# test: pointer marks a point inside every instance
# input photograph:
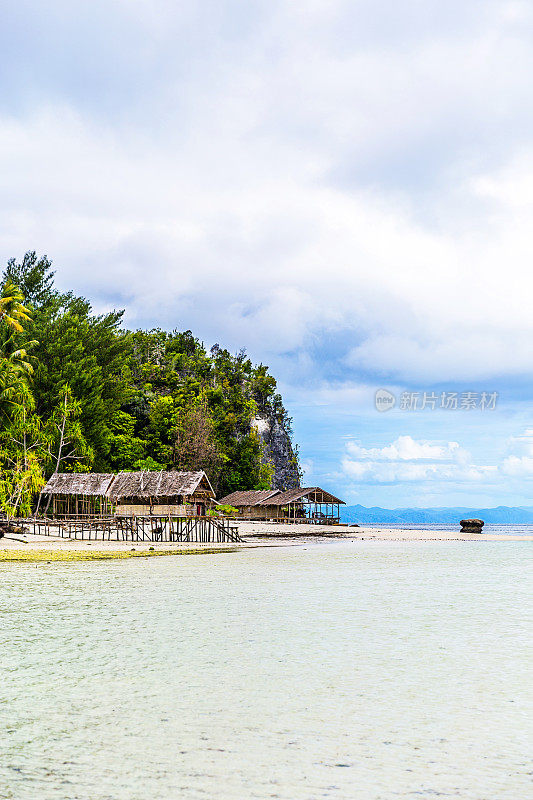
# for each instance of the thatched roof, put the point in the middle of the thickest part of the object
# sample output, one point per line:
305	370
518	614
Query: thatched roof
314	494
273	497
95	484
128	484
252	497
158	484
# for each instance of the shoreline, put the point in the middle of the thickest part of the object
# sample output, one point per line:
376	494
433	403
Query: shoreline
34	548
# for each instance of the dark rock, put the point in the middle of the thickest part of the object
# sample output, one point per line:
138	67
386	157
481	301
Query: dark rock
9	527
471	525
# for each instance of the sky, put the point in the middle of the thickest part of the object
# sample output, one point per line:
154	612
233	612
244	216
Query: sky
342	187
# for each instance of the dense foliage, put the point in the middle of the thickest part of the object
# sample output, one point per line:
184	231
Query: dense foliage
78	392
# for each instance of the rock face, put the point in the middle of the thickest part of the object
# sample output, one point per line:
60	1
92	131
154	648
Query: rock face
471	525
279	450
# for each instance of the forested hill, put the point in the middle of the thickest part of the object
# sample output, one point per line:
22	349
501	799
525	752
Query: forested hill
79	392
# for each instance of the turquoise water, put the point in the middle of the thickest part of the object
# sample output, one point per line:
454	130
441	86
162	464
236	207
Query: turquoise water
509	531
353	670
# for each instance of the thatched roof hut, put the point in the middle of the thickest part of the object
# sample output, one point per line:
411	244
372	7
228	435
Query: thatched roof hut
311	494
309	504
249	498
180	493
78	494
90	484
84	494
146	485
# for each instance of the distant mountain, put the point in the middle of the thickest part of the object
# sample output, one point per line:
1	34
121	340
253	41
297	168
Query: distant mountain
502	515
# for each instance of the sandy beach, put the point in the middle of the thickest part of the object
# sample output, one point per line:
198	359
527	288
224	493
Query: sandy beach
257	531
30	547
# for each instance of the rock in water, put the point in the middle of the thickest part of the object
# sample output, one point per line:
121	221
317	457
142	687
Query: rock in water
472	525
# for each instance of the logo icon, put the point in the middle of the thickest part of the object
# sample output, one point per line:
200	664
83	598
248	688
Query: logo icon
384	400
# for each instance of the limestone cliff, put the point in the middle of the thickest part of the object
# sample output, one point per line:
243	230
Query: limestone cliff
278	450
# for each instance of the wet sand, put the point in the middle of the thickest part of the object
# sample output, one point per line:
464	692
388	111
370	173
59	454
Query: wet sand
268	530
255	534
257	531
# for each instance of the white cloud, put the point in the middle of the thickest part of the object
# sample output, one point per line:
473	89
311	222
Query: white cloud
405	448
298	182
522	444
407	460
274	262
518	467
307	467
520	461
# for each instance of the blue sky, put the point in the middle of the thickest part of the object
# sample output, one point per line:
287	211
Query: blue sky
345	188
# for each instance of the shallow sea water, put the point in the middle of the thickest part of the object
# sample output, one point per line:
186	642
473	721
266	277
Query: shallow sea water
349	670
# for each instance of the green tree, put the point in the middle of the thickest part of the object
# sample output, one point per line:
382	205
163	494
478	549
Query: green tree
195	444
87	352
20	468
13	314
66	446
21	474
109	399
125	449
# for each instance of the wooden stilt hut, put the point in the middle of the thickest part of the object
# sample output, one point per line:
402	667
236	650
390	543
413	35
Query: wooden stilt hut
75	494
311	505
251	504
161	493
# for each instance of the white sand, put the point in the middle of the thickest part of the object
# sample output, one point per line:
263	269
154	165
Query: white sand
255	534
254	531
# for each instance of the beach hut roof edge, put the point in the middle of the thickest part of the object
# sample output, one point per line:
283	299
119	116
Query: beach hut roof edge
128	484
291	495
250	497
158	484
275	497
95	484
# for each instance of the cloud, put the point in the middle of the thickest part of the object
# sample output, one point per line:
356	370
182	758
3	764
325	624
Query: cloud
522	444
342	186
519	463
276	263
405	448
407	460
307	468
284	176
518	467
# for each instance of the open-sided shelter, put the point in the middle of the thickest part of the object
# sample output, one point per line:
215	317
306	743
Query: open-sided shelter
310	504
77	494
127	493
251	503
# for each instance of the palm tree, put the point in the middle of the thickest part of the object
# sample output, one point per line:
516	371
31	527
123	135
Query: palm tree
20	472
15	367
15	372
12	311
